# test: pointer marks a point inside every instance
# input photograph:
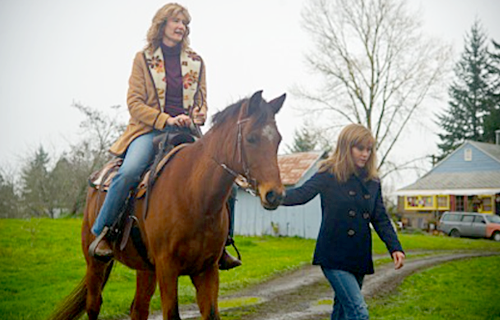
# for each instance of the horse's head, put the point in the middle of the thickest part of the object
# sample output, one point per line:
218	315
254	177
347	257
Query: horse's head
250	147
257	147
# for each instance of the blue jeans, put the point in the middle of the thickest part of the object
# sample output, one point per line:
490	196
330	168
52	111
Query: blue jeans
349	302
138	156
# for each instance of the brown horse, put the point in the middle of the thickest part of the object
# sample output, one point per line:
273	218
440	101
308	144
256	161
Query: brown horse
186	225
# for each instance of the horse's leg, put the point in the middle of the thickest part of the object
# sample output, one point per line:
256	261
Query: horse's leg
145	288
168	281
96	277
207	290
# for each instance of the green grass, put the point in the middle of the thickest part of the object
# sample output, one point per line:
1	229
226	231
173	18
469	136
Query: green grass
429	242
41	262
466	289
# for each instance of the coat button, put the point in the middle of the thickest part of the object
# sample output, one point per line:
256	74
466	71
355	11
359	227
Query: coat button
352	213
351	232
367	196
366	215
352	193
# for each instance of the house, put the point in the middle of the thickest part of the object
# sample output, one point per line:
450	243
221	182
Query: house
466	180
252	219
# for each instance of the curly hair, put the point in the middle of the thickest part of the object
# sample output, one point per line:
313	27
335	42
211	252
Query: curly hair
341	162
157	29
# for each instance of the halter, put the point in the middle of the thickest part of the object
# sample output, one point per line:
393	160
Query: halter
251	183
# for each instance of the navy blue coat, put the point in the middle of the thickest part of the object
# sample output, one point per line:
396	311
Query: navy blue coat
344	240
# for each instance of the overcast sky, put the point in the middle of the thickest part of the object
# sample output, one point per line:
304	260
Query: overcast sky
56	52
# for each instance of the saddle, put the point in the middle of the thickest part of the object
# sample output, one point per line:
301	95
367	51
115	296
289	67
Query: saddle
166	146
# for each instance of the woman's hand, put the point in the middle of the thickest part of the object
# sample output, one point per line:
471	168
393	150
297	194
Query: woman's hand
181	120
399	259
199	117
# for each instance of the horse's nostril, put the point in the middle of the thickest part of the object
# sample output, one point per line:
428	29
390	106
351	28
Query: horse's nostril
270	196
273	197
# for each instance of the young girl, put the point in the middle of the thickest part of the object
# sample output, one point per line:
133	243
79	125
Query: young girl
351	199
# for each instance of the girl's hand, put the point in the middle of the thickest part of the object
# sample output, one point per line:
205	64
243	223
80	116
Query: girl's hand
399	259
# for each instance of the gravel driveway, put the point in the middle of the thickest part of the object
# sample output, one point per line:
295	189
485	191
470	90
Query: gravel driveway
305	294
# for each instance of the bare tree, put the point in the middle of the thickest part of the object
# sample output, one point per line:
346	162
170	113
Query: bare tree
376	67
99	131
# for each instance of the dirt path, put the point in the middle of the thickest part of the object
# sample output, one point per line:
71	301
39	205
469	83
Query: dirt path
305	294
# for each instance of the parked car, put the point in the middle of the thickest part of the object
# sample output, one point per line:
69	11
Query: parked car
470	224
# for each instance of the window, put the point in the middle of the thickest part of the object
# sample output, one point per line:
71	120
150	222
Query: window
459	203
443	202
494	219
468	218
427	201
487	204
411	202
468	154
479	219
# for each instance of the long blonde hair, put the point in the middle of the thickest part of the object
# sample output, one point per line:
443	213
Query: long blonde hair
341	162
157	29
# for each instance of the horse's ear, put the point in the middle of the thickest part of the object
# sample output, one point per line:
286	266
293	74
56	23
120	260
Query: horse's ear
253	103
256	99
277	103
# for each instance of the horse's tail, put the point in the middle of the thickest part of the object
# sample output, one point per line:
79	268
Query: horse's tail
73	306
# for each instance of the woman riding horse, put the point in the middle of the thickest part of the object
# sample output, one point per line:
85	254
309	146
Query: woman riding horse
166	88
187	221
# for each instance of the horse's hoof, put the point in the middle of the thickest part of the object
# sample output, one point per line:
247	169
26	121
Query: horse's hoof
227	261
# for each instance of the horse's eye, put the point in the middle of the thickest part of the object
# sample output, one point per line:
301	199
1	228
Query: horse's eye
252	138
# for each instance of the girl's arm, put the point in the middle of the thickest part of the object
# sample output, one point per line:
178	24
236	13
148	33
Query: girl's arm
306	192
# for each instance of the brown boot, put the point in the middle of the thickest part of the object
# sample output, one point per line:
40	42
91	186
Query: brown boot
100	246
227	261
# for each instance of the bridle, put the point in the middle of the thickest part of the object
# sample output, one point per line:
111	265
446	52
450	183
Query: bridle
248	181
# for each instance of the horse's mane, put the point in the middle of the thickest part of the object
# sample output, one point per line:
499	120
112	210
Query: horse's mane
227	113
233	111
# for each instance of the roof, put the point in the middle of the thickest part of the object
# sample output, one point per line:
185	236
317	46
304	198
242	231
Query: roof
294	166
460	182
493	150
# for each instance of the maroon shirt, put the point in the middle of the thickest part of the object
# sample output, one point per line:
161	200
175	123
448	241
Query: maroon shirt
172	58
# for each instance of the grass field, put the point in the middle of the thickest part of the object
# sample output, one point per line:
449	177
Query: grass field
467	289
41	262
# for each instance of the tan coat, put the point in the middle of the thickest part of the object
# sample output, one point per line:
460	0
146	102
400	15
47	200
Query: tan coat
147	89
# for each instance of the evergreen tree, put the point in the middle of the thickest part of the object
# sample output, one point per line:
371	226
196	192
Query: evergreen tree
470	94
303	141
492	120
37	185
307	139
9	201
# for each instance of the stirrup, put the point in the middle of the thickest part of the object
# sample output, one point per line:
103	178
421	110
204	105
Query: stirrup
227	261
107	253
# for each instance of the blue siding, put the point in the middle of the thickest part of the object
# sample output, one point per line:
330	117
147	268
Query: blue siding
456	163
253	220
